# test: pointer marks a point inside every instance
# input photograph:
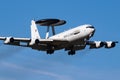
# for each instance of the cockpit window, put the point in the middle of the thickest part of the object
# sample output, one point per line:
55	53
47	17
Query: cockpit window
90	27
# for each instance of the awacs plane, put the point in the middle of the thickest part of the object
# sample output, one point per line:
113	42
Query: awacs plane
71	40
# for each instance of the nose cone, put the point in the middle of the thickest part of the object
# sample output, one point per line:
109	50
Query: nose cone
92	31
92	28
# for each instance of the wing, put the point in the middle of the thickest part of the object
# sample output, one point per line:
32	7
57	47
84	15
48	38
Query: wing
53	42
15	41
29	42
10	39
92	44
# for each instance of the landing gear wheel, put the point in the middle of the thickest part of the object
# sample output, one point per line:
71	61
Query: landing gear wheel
50	51
71	52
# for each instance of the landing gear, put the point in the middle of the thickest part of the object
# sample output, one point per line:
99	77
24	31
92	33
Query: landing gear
71	52
50	51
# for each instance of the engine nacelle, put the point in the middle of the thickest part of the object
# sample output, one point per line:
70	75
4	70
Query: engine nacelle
9	40
110	44
96	44
37	41
33	42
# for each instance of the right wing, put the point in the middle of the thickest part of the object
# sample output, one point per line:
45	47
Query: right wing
14	41
93	45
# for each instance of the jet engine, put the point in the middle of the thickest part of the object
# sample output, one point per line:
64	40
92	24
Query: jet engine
9	40
37	41
33	42
110	44
95	44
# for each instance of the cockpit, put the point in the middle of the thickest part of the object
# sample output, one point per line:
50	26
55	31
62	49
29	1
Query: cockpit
92	27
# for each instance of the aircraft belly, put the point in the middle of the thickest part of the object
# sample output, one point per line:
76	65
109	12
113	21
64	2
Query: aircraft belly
45	47
39	47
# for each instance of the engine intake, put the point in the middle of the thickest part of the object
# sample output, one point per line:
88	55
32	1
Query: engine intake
95	44
9	40
110	44
37	41
34	42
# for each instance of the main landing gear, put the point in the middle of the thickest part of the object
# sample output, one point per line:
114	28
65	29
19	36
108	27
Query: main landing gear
71	52
50	51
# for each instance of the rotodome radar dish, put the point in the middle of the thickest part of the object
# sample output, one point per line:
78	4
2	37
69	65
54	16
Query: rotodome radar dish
50	22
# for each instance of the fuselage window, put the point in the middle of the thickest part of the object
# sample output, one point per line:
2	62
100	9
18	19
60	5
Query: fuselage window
77	32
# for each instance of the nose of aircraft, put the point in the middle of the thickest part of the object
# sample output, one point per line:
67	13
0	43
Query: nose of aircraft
92	30
92	27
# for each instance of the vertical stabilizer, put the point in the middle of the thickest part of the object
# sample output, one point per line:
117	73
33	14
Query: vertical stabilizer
34	31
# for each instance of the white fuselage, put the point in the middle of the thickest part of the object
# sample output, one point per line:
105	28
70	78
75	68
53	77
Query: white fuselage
72	35
75	36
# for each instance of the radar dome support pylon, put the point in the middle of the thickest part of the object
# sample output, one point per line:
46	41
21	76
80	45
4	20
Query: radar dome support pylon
47	33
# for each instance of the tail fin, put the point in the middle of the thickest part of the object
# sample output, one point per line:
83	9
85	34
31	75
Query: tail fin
34	31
